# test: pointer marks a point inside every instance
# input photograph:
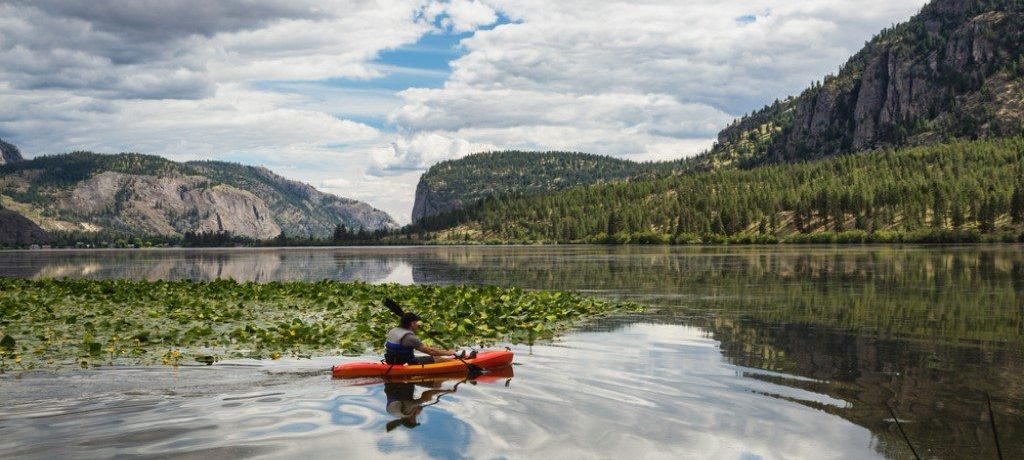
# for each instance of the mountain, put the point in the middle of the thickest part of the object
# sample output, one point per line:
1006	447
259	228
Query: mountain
962	186
9	153
147	195
16	230
933	106
953	71
452	184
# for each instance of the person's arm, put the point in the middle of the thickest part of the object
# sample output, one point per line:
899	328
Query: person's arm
429	395
434	351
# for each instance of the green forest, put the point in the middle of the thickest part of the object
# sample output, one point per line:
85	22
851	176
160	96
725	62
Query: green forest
948	192
481	175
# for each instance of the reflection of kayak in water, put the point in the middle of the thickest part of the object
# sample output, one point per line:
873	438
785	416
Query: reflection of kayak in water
403	403
484	360
489	376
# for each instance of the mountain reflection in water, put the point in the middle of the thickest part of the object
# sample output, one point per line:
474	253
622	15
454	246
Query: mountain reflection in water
748	350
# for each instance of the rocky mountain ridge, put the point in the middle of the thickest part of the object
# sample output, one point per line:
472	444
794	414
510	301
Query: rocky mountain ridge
147	195
955	70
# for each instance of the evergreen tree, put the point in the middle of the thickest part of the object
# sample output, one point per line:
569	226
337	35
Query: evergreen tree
340	233
1017	205
614	223
956	214
987	216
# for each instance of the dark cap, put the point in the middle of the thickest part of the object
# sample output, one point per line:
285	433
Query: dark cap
408	317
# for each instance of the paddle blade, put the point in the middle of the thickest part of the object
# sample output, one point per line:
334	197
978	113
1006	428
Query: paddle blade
393	306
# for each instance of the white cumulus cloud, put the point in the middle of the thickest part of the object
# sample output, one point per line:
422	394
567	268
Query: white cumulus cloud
254	80
654	79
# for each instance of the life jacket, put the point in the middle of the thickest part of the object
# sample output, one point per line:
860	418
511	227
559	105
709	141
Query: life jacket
394	351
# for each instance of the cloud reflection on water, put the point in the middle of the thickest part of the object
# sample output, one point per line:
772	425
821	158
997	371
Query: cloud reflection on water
650	391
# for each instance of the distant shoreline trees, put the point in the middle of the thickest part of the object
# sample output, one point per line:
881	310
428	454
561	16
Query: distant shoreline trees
973	186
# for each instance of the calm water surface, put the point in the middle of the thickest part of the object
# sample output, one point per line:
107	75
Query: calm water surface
778	352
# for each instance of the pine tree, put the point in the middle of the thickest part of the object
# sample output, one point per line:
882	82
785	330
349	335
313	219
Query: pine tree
1017	205
956	214
340	233
987	216
614	223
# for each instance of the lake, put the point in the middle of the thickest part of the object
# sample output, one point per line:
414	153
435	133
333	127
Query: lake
746	352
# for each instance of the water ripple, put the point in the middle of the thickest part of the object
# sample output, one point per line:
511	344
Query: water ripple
665	390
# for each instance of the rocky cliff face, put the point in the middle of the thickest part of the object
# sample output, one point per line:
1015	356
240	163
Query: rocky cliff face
956	70
147	195
9	153
299	209
167	205
430	203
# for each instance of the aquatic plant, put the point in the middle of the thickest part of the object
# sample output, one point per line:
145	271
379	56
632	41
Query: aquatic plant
53	323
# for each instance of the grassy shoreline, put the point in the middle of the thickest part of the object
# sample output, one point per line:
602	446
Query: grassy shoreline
63	323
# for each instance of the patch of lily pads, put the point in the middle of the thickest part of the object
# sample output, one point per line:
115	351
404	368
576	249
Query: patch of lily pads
57	323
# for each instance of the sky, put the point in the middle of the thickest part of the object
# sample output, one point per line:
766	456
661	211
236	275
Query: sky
360	97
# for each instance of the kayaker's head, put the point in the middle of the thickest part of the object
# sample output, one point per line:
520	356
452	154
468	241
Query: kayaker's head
410	321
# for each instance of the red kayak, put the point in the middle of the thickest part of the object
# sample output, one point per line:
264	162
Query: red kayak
492	359
490	376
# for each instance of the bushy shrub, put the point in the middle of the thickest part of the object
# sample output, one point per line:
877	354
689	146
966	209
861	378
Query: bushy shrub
649	238
687	238
852	237
753	238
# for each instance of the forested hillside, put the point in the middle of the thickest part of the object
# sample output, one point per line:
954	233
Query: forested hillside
977	186
455	183
950	81
954	71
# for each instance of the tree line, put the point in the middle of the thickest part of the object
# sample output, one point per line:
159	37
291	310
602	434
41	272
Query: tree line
973	186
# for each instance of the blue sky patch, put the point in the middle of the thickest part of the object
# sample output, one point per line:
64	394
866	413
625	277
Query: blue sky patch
424	64
746	19
432	52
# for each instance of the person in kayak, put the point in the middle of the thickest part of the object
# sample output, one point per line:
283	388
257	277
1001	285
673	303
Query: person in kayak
402	342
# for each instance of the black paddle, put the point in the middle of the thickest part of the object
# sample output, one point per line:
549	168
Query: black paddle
474	370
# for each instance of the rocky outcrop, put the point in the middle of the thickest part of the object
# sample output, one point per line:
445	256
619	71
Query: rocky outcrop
300	209
9	153
429	202
168	205
953	71
17	230
146	195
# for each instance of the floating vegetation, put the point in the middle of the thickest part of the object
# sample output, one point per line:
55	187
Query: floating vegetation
56	323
